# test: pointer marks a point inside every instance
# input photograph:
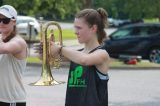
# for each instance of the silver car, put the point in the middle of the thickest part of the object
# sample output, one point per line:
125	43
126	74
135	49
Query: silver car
27	25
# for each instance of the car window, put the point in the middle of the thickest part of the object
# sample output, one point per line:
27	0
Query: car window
149	30
153	30
135	31
144	31
24	21
122	33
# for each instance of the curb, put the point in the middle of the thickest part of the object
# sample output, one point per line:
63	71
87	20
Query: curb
67	65
135	68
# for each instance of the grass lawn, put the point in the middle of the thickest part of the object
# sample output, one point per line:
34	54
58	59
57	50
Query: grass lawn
114	63
67	34
152	20
33	60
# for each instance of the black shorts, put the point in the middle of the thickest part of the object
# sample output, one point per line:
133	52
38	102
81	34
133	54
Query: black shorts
13	104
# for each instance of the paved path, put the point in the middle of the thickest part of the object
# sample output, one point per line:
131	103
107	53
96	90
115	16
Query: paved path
45	95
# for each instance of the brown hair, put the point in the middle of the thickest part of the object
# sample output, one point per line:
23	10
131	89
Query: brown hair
95	17
12	34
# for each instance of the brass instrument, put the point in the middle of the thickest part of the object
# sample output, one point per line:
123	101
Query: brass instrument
46	74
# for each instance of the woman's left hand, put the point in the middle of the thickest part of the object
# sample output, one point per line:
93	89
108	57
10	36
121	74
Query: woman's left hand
54	48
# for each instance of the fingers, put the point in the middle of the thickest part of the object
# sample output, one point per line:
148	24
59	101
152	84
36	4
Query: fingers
54	48
38	47
52	39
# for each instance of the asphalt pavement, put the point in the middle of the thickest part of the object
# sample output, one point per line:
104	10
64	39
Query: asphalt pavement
126	88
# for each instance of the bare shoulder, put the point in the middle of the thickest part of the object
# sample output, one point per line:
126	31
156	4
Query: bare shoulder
20	47
19	40
102	53
104	59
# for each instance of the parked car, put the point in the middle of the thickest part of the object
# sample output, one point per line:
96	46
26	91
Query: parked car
23	23
114	22
141	39
121	22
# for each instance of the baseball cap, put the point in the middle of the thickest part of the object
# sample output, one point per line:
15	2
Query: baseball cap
8	11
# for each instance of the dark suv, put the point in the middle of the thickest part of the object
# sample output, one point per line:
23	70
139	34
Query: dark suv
141	39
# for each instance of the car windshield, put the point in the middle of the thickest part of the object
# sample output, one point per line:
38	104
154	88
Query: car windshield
24	21
121	33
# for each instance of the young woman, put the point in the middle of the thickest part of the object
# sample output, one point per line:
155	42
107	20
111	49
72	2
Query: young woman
88	78
88	73
13	53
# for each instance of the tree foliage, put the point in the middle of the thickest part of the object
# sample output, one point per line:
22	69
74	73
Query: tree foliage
65	9
133	9
49	9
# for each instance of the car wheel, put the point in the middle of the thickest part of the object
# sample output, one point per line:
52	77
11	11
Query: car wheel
154	55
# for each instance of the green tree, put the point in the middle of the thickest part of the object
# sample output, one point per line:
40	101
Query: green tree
133	9
22	6
49	9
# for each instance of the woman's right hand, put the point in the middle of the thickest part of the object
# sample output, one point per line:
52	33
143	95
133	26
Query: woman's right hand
38	47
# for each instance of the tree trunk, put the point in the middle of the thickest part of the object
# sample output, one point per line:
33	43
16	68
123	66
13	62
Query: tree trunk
88	3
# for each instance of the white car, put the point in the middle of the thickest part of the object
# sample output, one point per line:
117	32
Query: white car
24	23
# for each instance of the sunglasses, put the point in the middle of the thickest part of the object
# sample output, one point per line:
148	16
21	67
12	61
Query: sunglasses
5	20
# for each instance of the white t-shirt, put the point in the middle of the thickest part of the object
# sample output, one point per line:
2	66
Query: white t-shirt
11	83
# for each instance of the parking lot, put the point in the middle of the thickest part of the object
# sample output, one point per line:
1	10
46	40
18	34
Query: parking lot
126	87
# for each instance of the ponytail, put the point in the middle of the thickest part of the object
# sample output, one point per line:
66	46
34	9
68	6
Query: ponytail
102	24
